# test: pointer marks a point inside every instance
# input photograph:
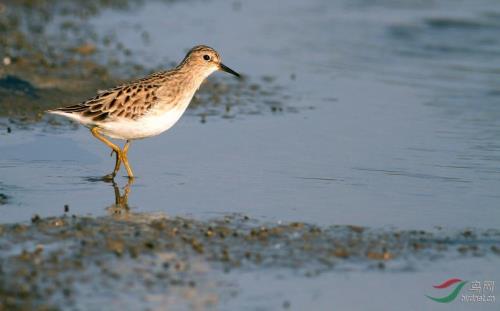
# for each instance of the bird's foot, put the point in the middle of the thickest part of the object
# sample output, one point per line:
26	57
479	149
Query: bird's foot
109	177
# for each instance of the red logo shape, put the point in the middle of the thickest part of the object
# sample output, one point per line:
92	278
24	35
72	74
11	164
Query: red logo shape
447	283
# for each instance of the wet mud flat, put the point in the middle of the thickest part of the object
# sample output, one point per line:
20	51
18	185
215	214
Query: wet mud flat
148	260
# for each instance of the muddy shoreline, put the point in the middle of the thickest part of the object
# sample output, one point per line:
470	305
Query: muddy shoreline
54	262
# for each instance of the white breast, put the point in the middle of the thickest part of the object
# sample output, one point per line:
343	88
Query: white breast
151	124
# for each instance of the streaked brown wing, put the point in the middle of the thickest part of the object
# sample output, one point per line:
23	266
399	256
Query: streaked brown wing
129	101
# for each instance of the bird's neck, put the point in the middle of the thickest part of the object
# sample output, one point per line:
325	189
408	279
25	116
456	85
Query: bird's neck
194	75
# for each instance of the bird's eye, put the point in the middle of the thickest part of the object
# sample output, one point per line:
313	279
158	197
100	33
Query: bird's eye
206	57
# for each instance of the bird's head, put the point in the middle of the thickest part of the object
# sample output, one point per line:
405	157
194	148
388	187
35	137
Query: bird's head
207	60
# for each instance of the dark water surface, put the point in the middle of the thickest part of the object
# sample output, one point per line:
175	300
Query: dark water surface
397	105
403	129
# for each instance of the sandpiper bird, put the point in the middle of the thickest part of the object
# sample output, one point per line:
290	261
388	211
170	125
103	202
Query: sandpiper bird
145	107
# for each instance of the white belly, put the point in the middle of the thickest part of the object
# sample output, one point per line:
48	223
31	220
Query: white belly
149	125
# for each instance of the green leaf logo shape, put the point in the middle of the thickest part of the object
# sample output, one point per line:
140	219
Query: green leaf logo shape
451	296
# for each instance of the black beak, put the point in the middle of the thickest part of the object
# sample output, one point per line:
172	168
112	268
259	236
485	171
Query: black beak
228	70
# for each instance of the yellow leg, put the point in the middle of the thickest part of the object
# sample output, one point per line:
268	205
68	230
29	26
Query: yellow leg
117	163
125	160
116	149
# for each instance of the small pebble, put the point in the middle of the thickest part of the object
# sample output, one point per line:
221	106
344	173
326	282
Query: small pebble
7	61
3	198
35	218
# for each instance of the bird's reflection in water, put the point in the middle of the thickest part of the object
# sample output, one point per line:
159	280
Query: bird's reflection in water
120	209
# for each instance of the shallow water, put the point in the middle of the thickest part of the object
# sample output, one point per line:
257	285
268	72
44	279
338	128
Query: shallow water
351	290
410	136
397	124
